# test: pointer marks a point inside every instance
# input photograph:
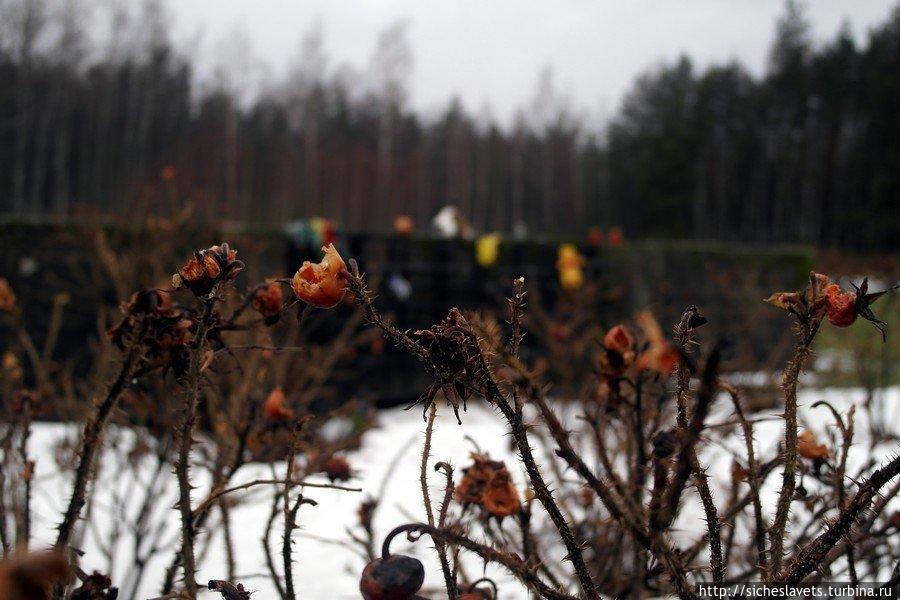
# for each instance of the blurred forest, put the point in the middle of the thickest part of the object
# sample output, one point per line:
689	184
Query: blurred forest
808	153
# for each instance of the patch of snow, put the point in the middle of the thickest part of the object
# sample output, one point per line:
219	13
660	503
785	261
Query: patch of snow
325	569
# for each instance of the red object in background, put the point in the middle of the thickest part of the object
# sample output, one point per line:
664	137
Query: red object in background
618	339
337	468
274	408
616	237
403	225
267	300
329	235
168	173
595	236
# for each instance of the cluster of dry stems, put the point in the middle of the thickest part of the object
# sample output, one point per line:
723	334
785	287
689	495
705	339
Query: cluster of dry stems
607	473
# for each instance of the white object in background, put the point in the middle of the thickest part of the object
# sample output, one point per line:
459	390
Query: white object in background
400	287
450	223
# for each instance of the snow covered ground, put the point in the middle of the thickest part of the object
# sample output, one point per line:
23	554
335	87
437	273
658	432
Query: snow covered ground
325	569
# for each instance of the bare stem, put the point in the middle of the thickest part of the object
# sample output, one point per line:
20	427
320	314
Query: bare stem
90	442
24	536
788	478
290	516
185	435
683	379
439	545
759	532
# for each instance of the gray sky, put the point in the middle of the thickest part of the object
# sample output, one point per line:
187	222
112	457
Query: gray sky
490	52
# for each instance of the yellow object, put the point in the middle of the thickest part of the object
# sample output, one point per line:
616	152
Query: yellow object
487	250
569	263
568	257
571	279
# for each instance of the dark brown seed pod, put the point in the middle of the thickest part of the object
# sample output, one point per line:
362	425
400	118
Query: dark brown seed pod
396	577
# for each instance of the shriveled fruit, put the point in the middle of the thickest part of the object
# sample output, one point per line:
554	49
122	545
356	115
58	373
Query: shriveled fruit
321	284
397	577
841	306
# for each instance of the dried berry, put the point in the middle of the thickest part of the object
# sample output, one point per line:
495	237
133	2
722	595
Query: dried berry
274	408
337	468
396	577
321	284
168	173
840	306
843	307
12	369
267	300
365	512
403	225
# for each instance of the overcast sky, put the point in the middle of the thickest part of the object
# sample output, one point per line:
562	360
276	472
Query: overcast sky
490	52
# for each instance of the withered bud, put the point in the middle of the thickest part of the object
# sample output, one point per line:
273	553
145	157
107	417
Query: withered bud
487	483
207	268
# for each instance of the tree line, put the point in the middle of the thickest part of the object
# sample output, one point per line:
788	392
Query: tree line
808	152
